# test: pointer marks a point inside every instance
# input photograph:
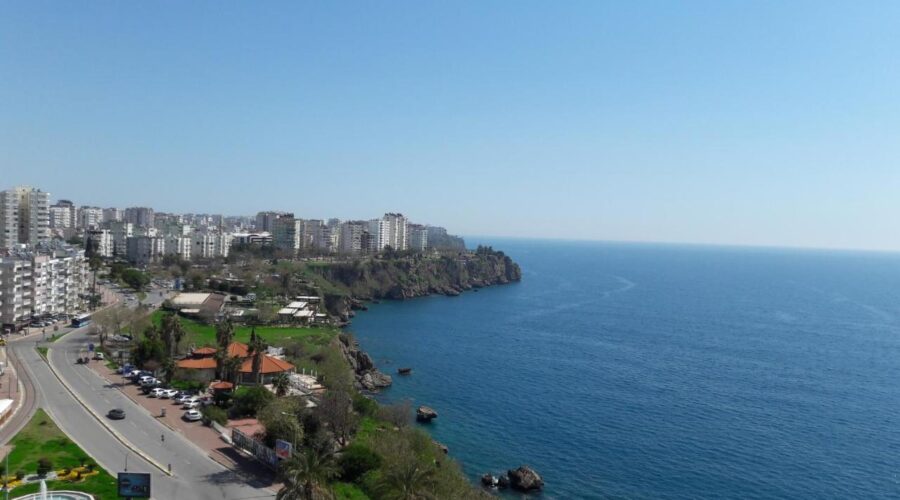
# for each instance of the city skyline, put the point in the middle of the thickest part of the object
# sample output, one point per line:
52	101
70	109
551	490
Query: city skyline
716	123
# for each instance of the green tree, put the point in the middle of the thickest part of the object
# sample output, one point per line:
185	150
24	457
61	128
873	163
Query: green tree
172	332
281	383
281	419
306	474
224	335
407	480
248	401
257	351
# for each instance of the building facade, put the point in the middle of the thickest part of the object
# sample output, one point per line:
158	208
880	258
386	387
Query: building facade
139	216
90	217
63	215
24	217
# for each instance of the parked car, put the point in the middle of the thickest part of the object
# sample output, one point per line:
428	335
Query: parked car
98	356
156	392
191	404
150	382
193	415
169	393
183	398
116	414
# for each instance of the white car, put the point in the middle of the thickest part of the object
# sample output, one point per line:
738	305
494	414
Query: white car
191	404
193	415
156	393
149	382
168	393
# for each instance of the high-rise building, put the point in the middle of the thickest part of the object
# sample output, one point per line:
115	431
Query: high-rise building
418	237
351	240
90	217
142	250
388	231
286	232
48	279
63	215
265	221
120	231
139	216
24	217
101	241
113	214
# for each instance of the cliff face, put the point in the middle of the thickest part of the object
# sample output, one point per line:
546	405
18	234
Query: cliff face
416	276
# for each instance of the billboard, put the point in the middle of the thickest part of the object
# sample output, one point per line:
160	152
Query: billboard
134	485
283	449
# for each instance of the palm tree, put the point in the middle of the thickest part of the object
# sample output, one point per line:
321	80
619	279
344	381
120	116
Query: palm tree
231	367
168	370
408	480
306	474
281	383
173	332
256	352
224	334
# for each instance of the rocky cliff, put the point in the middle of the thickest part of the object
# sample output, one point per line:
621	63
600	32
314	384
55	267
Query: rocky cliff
348	284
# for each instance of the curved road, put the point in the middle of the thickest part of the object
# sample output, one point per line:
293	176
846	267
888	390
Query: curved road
195	475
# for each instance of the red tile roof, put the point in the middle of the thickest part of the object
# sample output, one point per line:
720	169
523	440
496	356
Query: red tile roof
221	385
204	351
196	363
269	365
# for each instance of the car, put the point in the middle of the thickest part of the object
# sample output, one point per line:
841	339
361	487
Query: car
140	379
184	397
169	393
99	356
193	415
191	404
116	414
150	382
156	392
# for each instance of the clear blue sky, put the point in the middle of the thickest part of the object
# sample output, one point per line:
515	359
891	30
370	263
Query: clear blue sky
774	123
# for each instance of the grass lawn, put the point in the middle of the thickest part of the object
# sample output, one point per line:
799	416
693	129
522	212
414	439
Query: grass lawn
201	334
42	351
42	438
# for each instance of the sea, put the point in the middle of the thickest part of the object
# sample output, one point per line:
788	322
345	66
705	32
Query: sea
662	371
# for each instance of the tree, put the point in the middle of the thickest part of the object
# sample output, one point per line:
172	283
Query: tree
172	333
407	480
306	474
356	460
281	419
135	279
336	410
281	383
111	321
248	401
231	367
168	370
257	349
224	335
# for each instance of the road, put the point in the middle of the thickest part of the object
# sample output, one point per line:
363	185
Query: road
195	475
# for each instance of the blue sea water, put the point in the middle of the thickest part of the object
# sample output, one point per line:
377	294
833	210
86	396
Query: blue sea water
653	371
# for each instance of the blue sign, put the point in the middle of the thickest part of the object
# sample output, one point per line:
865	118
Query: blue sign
91	347
283	449
134	485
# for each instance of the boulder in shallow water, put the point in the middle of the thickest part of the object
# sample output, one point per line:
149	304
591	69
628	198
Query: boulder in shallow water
488	480
425	414
503	482
525	479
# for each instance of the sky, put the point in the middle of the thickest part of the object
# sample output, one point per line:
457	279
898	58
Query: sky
730	122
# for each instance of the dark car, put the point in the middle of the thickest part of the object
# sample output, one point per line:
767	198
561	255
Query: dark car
116	414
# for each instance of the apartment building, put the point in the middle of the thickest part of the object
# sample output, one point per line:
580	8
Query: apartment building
113	214
101	241
120	231
51	279
352	239
265	221
418	237
90	217
210	244
63	215
286	232
388	231
180	245
139	216
143	250
24	217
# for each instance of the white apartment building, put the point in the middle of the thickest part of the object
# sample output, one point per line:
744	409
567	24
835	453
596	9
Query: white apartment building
120	232
178	245
286	232
24	217
90	217
210	244
388	231
50	280
60	281
63	215
102	241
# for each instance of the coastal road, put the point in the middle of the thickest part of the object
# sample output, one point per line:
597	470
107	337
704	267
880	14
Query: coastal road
195	474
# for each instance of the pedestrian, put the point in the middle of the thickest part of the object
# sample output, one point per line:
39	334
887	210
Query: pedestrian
162	437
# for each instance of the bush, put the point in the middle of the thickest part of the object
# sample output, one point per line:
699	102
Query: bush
366	407
214	414
20	475
44	466
356	460
91	466
247	402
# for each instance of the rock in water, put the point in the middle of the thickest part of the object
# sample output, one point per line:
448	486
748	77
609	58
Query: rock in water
525	479
503	482
487	480
425	414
